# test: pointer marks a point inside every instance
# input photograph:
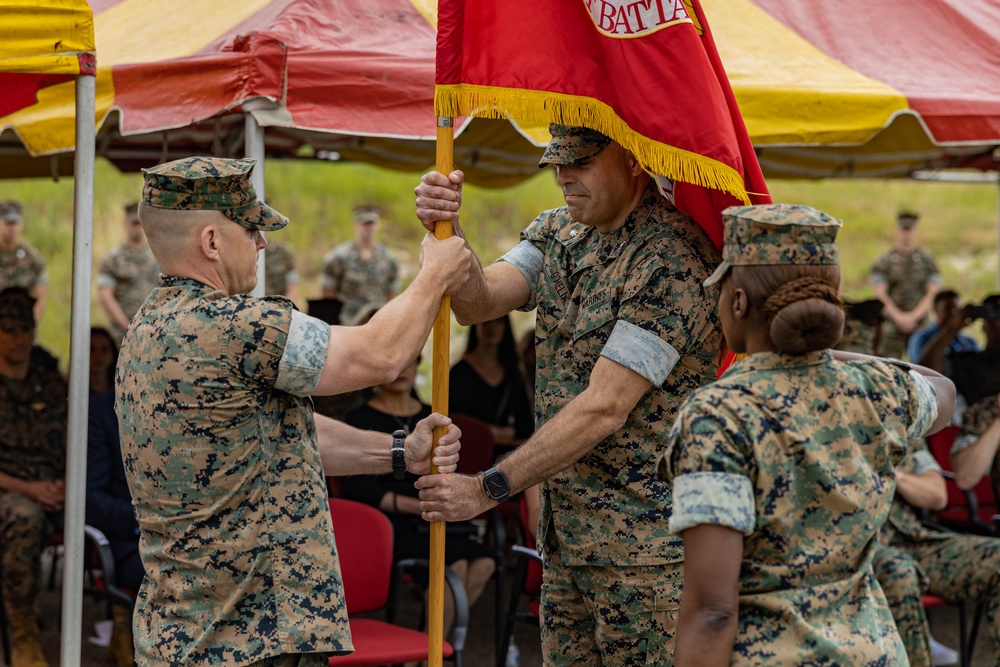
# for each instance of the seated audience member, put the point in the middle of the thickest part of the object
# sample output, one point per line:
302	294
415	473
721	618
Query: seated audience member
976	374
913	559
973	455
487	384
109	503
33	414
395	408
946	308
862	327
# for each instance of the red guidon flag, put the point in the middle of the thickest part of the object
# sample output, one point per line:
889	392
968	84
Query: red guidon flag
644	72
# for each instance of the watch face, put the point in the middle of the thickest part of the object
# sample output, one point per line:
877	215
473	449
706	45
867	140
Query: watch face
496	485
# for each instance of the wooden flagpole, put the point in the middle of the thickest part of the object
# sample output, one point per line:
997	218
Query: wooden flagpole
440	363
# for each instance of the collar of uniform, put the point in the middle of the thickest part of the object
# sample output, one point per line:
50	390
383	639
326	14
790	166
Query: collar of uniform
773	361
609	246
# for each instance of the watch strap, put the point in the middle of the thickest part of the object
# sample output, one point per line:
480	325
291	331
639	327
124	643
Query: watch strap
398	452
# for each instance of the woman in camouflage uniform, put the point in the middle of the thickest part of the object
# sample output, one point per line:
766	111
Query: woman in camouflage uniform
782	470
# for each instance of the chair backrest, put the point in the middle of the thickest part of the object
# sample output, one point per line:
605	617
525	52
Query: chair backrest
364	546
958	510
337	488
477	444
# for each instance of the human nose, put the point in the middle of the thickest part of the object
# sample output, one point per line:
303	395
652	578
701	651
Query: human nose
261	240
564	174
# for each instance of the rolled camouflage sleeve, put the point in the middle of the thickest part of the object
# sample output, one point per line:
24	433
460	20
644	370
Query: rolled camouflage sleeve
528	256
713	498
923	408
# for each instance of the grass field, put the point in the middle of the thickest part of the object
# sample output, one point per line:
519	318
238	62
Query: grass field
959	223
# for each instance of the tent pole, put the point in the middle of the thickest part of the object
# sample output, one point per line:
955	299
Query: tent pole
253	146
440	363
76	441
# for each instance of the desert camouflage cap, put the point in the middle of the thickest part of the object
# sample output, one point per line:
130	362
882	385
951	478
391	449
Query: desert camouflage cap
907	219
771	234
210	184
572	145
16	309
11	210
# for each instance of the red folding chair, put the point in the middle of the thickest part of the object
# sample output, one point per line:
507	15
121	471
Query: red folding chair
966	511
372	583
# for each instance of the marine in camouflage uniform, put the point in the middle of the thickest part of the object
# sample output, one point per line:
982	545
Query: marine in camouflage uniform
357	274
127	274
908	275
21	265
32	450
953	565
220	451
279	270
633	296
797	453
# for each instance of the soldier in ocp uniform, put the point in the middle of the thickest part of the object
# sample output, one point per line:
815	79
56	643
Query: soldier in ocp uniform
127	275
224	458
625	329
360	272
32	467
783	469
917	559
21	265
905	279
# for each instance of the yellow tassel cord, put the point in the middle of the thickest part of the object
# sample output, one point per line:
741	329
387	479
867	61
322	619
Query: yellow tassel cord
543	107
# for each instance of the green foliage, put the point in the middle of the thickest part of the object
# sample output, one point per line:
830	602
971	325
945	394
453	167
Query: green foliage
958	223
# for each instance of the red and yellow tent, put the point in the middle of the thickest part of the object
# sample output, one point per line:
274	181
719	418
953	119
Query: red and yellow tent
852	88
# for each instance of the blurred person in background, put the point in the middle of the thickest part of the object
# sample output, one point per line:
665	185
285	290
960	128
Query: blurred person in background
21	265
126	275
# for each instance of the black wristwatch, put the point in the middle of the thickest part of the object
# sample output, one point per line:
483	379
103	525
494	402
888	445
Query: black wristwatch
496	485
398	454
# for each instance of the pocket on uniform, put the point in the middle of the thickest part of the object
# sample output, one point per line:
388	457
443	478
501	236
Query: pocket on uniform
594	317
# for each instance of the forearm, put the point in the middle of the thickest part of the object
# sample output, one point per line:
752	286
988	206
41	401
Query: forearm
11	483
974	462
881	292
933	353
926	490
40	293
489	293
705	637
924	305
106	297
345	450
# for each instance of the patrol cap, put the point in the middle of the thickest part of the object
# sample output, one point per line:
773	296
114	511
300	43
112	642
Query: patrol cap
771	234
366	215
16	309
132	211
572	145
210	184
907	219
11	211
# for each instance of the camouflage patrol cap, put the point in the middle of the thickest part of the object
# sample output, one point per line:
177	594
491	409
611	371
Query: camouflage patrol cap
210	184
366	214
11	210
907	219
16	309
773	234
572	145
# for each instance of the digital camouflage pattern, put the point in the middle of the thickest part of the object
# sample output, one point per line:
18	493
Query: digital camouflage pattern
279	268
131	274
359	282
608	511
33	413
955	566
907	276
798	454
11	210
220	451
609	508
210	184
775	234
22	266
572	145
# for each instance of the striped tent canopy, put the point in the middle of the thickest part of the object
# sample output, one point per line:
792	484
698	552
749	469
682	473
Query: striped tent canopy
851	88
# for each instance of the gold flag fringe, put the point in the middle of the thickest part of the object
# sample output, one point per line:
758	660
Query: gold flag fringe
545	107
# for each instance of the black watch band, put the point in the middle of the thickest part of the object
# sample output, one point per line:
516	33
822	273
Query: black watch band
398	454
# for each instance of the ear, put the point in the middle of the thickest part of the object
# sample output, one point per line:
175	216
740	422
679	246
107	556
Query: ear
739	304
210	241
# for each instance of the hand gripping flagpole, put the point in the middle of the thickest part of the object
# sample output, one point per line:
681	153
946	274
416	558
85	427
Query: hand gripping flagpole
440	363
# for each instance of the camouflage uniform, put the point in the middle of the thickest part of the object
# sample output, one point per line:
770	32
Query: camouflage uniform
359	282
798	453
131	274
279	268
954	565
22	266
221	455
32	448
907	274
612	571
